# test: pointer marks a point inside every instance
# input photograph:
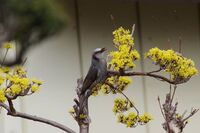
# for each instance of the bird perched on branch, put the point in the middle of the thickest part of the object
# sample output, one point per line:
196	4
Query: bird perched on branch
97	72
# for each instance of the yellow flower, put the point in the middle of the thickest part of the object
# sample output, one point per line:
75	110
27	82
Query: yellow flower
122	36
6	69
119	82
16	89
145	118
37	81
123	59
14	78
19	70
125	56
174	63
34	88
132	119
2	79
24	82
121	118
82	116
71	111
105	89
121	105
8	45
124	80
2	96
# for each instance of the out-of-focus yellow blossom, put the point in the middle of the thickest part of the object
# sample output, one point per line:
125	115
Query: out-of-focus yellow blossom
37	81
2	96
8	45
82	116
145	118
19	70
125	56
71	111
2	79
121	105
174	63
35	88
5	69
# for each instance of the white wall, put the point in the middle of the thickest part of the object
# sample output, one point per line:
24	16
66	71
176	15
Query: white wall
57	62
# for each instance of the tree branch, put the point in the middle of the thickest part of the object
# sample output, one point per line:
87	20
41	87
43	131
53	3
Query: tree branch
150	74
36	118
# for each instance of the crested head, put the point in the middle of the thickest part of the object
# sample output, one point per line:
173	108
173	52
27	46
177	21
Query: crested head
99	52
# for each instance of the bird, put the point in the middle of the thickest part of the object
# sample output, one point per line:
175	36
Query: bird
97	72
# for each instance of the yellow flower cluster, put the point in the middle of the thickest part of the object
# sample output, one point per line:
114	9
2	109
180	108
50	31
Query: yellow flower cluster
121	105
19	84
119	82
125	56
2	96
122	37
95	90
174	63
132	119
145	118
14	82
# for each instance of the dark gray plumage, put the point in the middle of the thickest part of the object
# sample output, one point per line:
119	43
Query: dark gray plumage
97	72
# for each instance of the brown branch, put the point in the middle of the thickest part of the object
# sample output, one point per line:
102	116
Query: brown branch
150	74
36	118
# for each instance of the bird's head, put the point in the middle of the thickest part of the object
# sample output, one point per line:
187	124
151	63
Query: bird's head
98	53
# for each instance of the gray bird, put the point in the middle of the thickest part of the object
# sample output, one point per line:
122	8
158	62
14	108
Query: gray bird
97	72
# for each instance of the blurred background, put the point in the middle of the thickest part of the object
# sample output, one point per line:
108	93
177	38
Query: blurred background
59	51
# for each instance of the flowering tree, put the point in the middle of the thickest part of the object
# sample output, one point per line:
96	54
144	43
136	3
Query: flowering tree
120	67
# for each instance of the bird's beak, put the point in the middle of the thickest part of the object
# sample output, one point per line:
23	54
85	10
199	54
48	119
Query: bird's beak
103	49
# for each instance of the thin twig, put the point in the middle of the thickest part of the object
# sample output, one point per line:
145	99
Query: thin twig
191	114
161	108
132	105
133	30
115	89
4	58
113	21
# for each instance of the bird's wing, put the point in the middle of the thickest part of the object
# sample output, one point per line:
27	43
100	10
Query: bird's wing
90	78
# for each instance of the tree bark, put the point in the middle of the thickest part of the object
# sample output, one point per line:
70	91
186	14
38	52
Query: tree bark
84	123
84	128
